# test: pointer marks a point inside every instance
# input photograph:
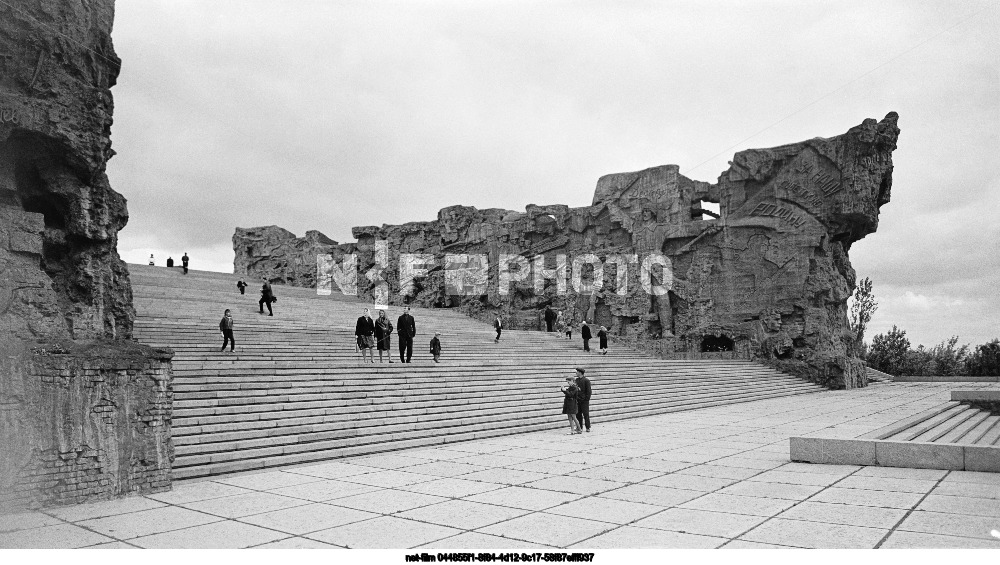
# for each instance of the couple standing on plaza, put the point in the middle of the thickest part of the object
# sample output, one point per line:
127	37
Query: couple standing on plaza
378	334
576	401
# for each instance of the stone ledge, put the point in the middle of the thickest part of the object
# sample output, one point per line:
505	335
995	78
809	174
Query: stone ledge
976	395
881	453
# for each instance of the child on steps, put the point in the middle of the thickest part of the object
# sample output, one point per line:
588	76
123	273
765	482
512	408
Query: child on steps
226	325
436	346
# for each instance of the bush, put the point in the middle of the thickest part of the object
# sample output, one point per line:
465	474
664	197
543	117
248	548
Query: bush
891	353
985	361
888	351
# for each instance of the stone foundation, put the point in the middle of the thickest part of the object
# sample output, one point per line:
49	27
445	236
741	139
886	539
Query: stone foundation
82	422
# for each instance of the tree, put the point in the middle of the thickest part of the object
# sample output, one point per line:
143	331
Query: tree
985	361
947	359
862	309
888	351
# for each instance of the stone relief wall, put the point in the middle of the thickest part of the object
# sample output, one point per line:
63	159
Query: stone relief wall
84	421
769	278
92	421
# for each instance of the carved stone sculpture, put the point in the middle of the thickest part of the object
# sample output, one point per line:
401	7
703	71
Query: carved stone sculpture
768	278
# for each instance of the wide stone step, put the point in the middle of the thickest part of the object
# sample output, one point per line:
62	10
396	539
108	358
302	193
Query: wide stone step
961	435
228	462
419	393
446	384
381	421
355	407
362	400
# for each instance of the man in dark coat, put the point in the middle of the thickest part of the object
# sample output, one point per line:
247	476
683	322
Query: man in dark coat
266	297
583	400
406	329
550	319
170	262
585	333
498	326
184	261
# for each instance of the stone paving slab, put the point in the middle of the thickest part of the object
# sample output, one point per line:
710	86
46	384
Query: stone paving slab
384	532
912	540
714	477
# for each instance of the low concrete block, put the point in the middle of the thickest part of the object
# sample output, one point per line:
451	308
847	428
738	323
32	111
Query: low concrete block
832	451
982	458
919	455
976	395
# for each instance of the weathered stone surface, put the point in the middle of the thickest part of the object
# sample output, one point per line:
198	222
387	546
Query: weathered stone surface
91	420
59	213
83	421
277	253
769	278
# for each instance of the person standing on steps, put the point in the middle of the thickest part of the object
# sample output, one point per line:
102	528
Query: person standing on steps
568	325
170	262
406	328
550	319
184	261
583	399
436	346
602	335
365	332
266	297
585	334
242	286
570	393
383	335
226	325
498	326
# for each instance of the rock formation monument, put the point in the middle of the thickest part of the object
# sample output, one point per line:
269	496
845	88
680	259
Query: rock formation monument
84	412
768	278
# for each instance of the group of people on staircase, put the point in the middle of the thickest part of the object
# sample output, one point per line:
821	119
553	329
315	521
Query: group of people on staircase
170	262
554	320
377	334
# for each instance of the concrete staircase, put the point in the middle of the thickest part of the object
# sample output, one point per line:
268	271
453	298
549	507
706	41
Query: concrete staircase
962	434
295	390
876	376
954	422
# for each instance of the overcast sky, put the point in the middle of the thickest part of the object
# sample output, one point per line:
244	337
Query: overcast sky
327	115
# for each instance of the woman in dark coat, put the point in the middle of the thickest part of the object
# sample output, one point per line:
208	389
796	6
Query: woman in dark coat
365	332
383	335
602	335
570	392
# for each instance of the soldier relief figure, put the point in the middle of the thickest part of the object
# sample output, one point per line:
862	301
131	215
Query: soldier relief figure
649	237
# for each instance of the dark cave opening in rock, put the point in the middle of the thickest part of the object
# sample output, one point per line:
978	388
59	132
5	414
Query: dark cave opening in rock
711	344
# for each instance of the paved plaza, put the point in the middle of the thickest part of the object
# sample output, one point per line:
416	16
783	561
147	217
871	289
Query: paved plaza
709	478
